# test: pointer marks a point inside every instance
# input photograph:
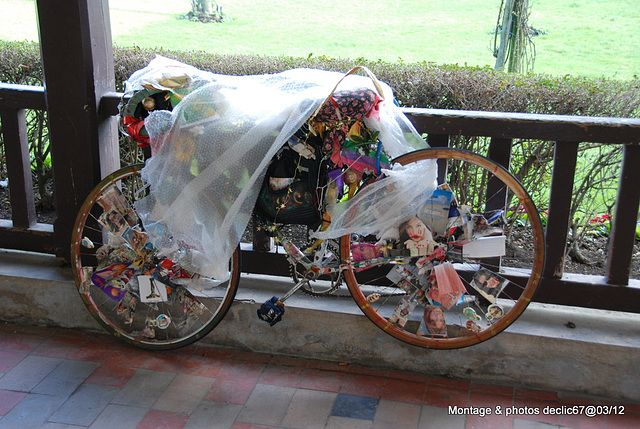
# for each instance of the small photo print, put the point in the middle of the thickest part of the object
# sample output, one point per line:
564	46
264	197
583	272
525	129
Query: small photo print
494	313
151	290
113	200
113	221
433	322
365	251
435	212
416	237
402	313
127	308
489	284
190	304
136	239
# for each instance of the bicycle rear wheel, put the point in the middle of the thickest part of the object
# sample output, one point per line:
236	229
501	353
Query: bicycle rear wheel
467	285
136	294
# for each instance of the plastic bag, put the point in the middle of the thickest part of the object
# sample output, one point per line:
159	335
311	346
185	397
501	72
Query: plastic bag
379	208
212	151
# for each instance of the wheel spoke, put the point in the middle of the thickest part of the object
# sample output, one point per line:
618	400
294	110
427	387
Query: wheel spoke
117	266
450	286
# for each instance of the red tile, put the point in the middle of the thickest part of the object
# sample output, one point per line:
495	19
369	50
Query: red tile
623	421
501	407
328	365
487	399
489	422
449	382
187	350
111	375
106	340
58	347
95	350
408	376
72	334
289	361
252	356
165	361
578	400
43	331
493	388
367	370
20	343
128	355
627	408
8	400
216	352
443	397
203	366
279	375
242	371
537	394
326	381
363	385
572	413
404	391
583	422
230	391
163	420
523	407
10	359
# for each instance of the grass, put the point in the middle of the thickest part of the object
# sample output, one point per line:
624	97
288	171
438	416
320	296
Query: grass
581	37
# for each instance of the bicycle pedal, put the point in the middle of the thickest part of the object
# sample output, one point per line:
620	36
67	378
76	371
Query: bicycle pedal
271	311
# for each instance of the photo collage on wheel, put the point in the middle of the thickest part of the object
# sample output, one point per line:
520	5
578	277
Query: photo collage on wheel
427	249
128	272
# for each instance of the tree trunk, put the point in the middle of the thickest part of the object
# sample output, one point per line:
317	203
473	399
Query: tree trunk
505	31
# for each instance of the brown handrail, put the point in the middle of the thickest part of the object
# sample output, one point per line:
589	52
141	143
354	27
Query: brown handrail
563	131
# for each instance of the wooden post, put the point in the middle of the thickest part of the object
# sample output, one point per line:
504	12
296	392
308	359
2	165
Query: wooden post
625	217
77	57
559	215
500	152
16	148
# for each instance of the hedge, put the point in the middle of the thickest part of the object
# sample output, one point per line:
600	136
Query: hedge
441	86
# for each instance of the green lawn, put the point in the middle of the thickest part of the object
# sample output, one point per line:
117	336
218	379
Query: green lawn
581	37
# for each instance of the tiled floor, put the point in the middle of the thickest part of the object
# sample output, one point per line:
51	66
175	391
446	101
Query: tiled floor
55	378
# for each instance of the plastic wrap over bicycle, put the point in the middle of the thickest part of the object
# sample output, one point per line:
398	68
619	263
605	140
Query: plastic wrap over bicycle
422	238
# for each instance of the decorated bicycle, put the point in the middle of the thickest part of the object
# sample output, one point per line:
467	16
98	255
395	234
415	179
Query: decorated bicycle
420	236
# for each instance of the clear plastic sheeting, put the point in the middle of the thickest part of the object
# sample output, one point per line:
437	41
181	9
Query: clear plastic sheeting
210	154
380	207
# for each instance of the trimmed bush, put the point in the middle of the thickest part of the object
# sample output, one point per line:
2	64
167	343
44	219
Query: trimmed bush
416	84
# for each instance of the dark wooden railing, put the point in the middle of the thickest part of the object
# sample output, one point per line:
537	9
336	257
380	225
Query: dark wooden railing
80	102
615	291
22	232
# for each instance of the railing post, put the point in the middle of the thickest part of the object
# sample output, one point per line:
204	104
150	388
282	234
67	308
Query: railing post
556	231
440	140
500	152
16	148
77	57
624	218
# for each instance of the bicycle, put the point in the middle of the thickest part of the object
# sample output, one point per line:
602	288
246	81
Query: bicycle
439	280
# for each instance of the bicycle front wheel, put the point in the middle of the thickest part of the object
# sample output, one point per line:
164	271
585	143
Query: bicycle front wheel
457	279
142	297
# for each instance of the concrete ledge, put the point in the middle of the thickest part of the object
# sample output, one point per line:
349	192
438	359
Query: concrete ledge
599	353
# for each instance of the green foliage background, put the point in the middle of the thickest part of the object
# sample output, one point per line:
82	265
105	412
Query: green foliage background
588	38
415	84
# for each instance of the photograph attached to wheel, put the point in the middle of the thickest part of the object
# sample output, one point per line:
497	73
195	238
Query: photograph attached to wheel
142	297
462	268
